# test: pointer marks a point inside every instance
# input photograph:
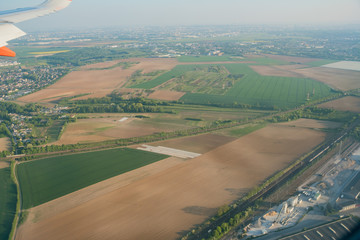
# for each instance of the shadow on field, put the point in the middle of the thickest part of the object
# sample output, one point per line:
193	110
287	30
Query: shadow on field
238	192
199	211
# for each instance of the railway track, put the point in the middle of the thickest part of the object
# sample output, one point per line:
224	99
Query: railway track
275	185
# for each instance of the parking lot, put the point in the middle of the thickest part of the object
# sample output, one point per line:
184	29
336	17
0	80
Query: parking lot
332	231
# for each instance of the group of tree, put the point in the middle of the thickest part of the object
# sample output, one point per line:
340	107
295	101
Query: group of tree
4	131
88	55
9	107
114	103
315	113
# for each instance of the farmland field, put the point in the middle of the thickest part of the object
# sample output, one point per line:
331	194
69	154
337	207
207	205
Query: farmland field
198	144
241	130
5	144
262	60
97	83
7	202
312	124
102	127
237	84
263	90
189	59
54	131
48	179
175	72
163	205
203	79
346	65
336	78
344	104
107	126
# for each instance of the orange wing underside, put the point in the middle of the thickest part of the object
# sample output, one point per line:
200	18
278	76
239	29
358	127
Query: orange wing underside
4	51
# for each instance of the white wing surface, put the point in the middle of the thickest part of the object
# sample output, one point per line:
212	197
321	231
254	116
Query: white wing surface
8	31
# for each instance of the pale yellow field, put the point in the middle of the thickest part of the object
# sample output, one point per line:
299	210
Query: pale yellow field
102	127
5	144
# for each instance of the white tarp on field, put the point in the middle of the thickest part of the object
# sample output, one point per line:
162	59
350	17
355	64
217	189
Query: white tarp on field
169	151
346	65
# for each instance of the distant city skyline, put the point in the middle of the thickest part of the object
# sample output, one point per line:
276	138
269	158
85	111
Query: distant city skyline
111	13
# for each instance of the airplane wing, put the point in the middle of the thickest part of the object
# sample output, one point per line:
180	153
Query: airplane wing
8	31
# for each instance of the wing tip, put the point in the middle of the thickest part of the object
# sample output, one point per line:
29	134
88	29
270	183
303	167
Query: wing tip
6	52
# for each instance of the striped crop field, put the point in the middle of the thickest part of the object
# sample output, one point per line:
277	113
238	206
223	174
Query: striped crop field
255	89
47	179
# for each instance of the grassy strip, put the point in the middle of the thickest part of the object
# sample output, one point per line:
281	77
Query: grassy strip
18	203
175	72
239	132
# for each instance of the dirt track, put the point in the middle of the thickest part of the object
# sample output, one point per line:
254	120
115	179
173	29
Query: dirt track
163	205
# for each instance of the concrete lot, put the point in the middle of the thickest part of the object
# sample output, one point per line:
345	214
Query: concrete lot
334	231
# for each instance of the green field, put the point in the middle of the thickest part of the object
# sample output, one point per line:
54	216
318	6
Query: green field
207	79
255	89
242	131
175	72
320	63
7	202
47	179
238	84
54	131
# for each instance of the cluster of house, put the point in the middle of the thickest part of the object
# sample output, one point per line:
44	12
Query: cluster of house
16	81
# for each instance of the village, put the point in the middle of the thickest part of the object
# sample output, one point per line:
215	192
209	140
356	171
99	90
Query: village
17	81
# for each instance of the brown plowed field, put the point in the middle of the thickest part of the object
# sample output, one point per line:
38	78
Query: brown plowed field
166	95
97	83
197	144
5	144
165	204
336	78
281	70
82	196
311	123
351	104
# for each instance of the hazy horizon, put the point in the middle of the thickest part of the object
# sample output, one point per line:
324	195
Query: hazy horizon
99	14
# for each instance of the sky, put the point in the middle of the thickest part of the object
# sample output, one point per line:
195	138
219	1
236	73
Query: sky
111	13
